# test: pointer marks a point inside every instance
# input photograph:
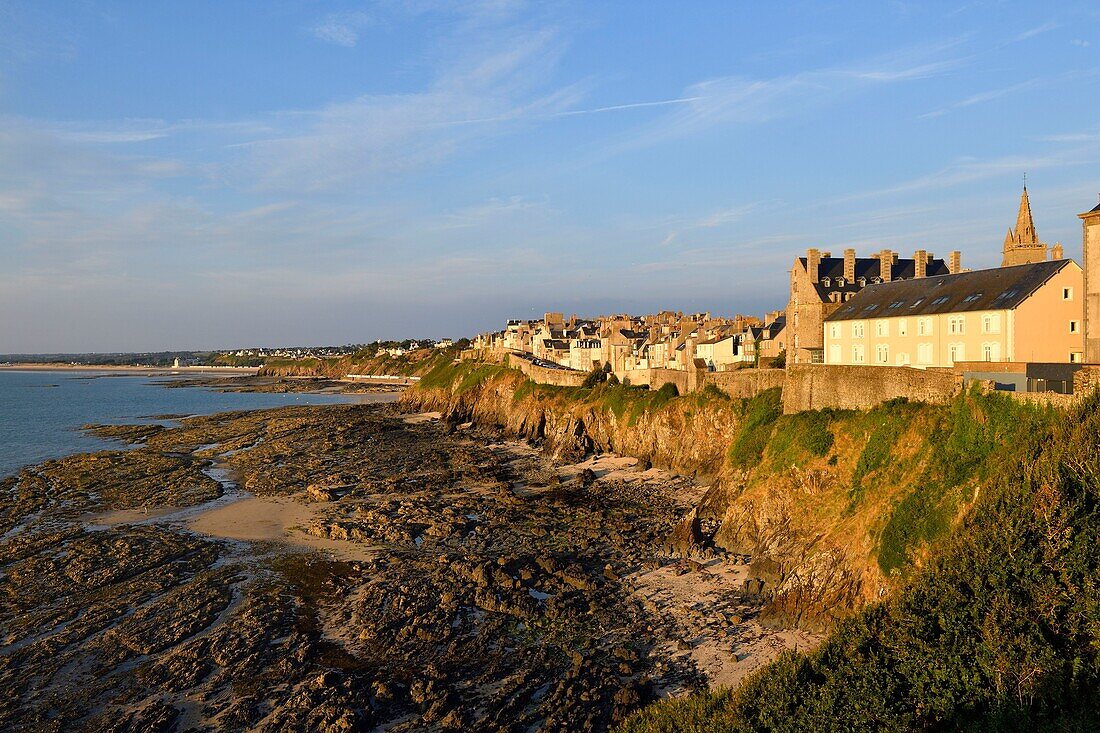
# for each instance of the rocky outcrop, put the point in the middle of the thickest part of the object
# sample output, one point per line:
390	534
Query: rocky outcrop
688	436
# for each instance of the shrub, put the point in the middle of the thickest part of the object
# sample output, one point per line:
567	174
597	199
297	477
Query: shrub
595	377
760	414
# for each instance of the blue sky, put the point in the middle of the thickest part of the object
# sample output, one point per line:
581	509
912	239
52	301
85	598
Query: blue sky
210	174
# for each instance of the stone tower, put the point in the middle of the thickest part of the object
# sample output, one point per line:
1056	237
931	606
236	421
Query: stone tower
1022	246
1091	251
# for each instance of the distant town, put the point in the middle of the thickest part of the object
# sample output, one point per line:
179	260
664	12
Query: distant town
1021	325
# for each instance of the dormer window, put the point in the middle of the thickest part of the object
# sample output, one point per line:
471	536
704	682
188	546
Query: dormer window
825	282
862	282
840	282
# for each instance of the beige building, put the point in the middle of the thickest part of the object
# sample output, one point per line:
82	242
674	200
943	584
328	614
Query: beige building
821	283
1022	313
1090	223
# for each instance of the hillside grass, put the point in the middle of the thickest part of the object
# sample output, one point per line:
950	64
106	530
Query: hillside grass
999	631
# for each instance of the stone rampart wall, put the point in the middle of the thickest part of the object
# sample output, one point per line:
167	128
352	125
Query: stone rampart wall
544	375
745	383
820	386
685	381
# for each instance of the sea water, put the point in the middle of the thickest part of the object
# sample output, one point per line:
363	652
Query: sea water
41	412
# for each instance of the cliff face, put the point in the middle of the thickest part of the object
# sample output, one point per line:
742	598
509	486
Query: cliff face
412	364
833	507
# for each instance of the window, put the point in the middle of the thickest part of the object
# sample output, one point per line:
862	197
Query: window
924	326
972	297
902	359
896	304
862	282
882	354
825	282
940	300
956	352
917	302
1067	293
924	353
871	307
857	330
840	282
991	351
903	327
834	330
882	328
1074	327
834	353
857	354
1075	357
955	324
991	323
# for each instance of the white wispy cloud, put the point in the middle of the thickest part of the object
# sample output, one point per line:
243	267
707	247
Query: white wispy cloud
1036	31
982	97
738	100
342	29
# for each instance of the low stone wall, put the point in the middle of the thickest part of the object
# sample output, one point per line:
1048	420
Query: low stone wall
543	375
685	381
1053	399
745	383
820	386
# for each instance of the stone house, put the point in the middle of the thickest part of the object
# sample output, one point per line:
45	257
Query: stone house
821	283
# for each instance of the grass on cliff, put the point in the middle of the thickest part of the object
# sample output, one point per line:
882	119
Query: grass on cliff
966	443
1000	631
459	377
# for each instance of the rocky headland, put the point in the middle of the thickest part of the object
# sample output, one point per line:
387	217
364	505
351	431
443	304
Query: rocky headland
352	568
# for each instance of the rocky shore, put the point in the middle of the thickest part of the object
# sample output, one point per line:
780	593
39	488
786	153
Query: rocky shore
350	568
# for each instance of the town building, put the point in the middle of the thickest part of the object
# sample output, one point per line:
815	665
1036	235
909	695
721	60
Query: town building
821	283
1090	225
1021	313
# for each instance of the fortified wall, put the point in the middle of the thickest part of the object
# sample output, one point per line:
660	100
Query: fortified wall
820	386
805	386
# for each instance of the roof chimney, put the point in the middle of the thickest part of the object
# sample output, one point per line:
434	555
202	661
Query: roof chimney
885	265
813	260
849	265
826	255
1056	252
920	263
954	262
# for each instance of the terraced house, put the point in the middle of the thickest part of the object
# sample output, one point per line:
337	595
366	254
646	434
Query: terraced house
821	283
1025	313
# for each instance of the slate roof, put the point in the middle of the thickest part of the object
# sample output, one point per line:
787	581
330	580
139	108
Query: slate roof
867	268
1001	288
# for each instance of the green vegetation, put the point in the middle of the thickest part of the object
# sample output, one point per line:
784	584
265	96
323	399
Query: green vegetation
799	436
595	377
461	376
1000	630
887	423
760	414
975	434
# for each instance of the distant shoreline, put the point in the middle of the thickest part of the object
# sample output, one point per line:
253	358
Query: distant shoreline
138	370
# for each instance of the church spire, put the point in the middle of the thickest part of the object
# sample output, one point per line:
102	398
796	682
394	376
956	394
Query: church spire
1025	227
1022	244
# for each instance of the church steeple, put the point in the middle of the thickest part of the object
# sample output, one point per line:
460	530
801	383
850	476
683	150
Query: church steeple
1022	245
1025	227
